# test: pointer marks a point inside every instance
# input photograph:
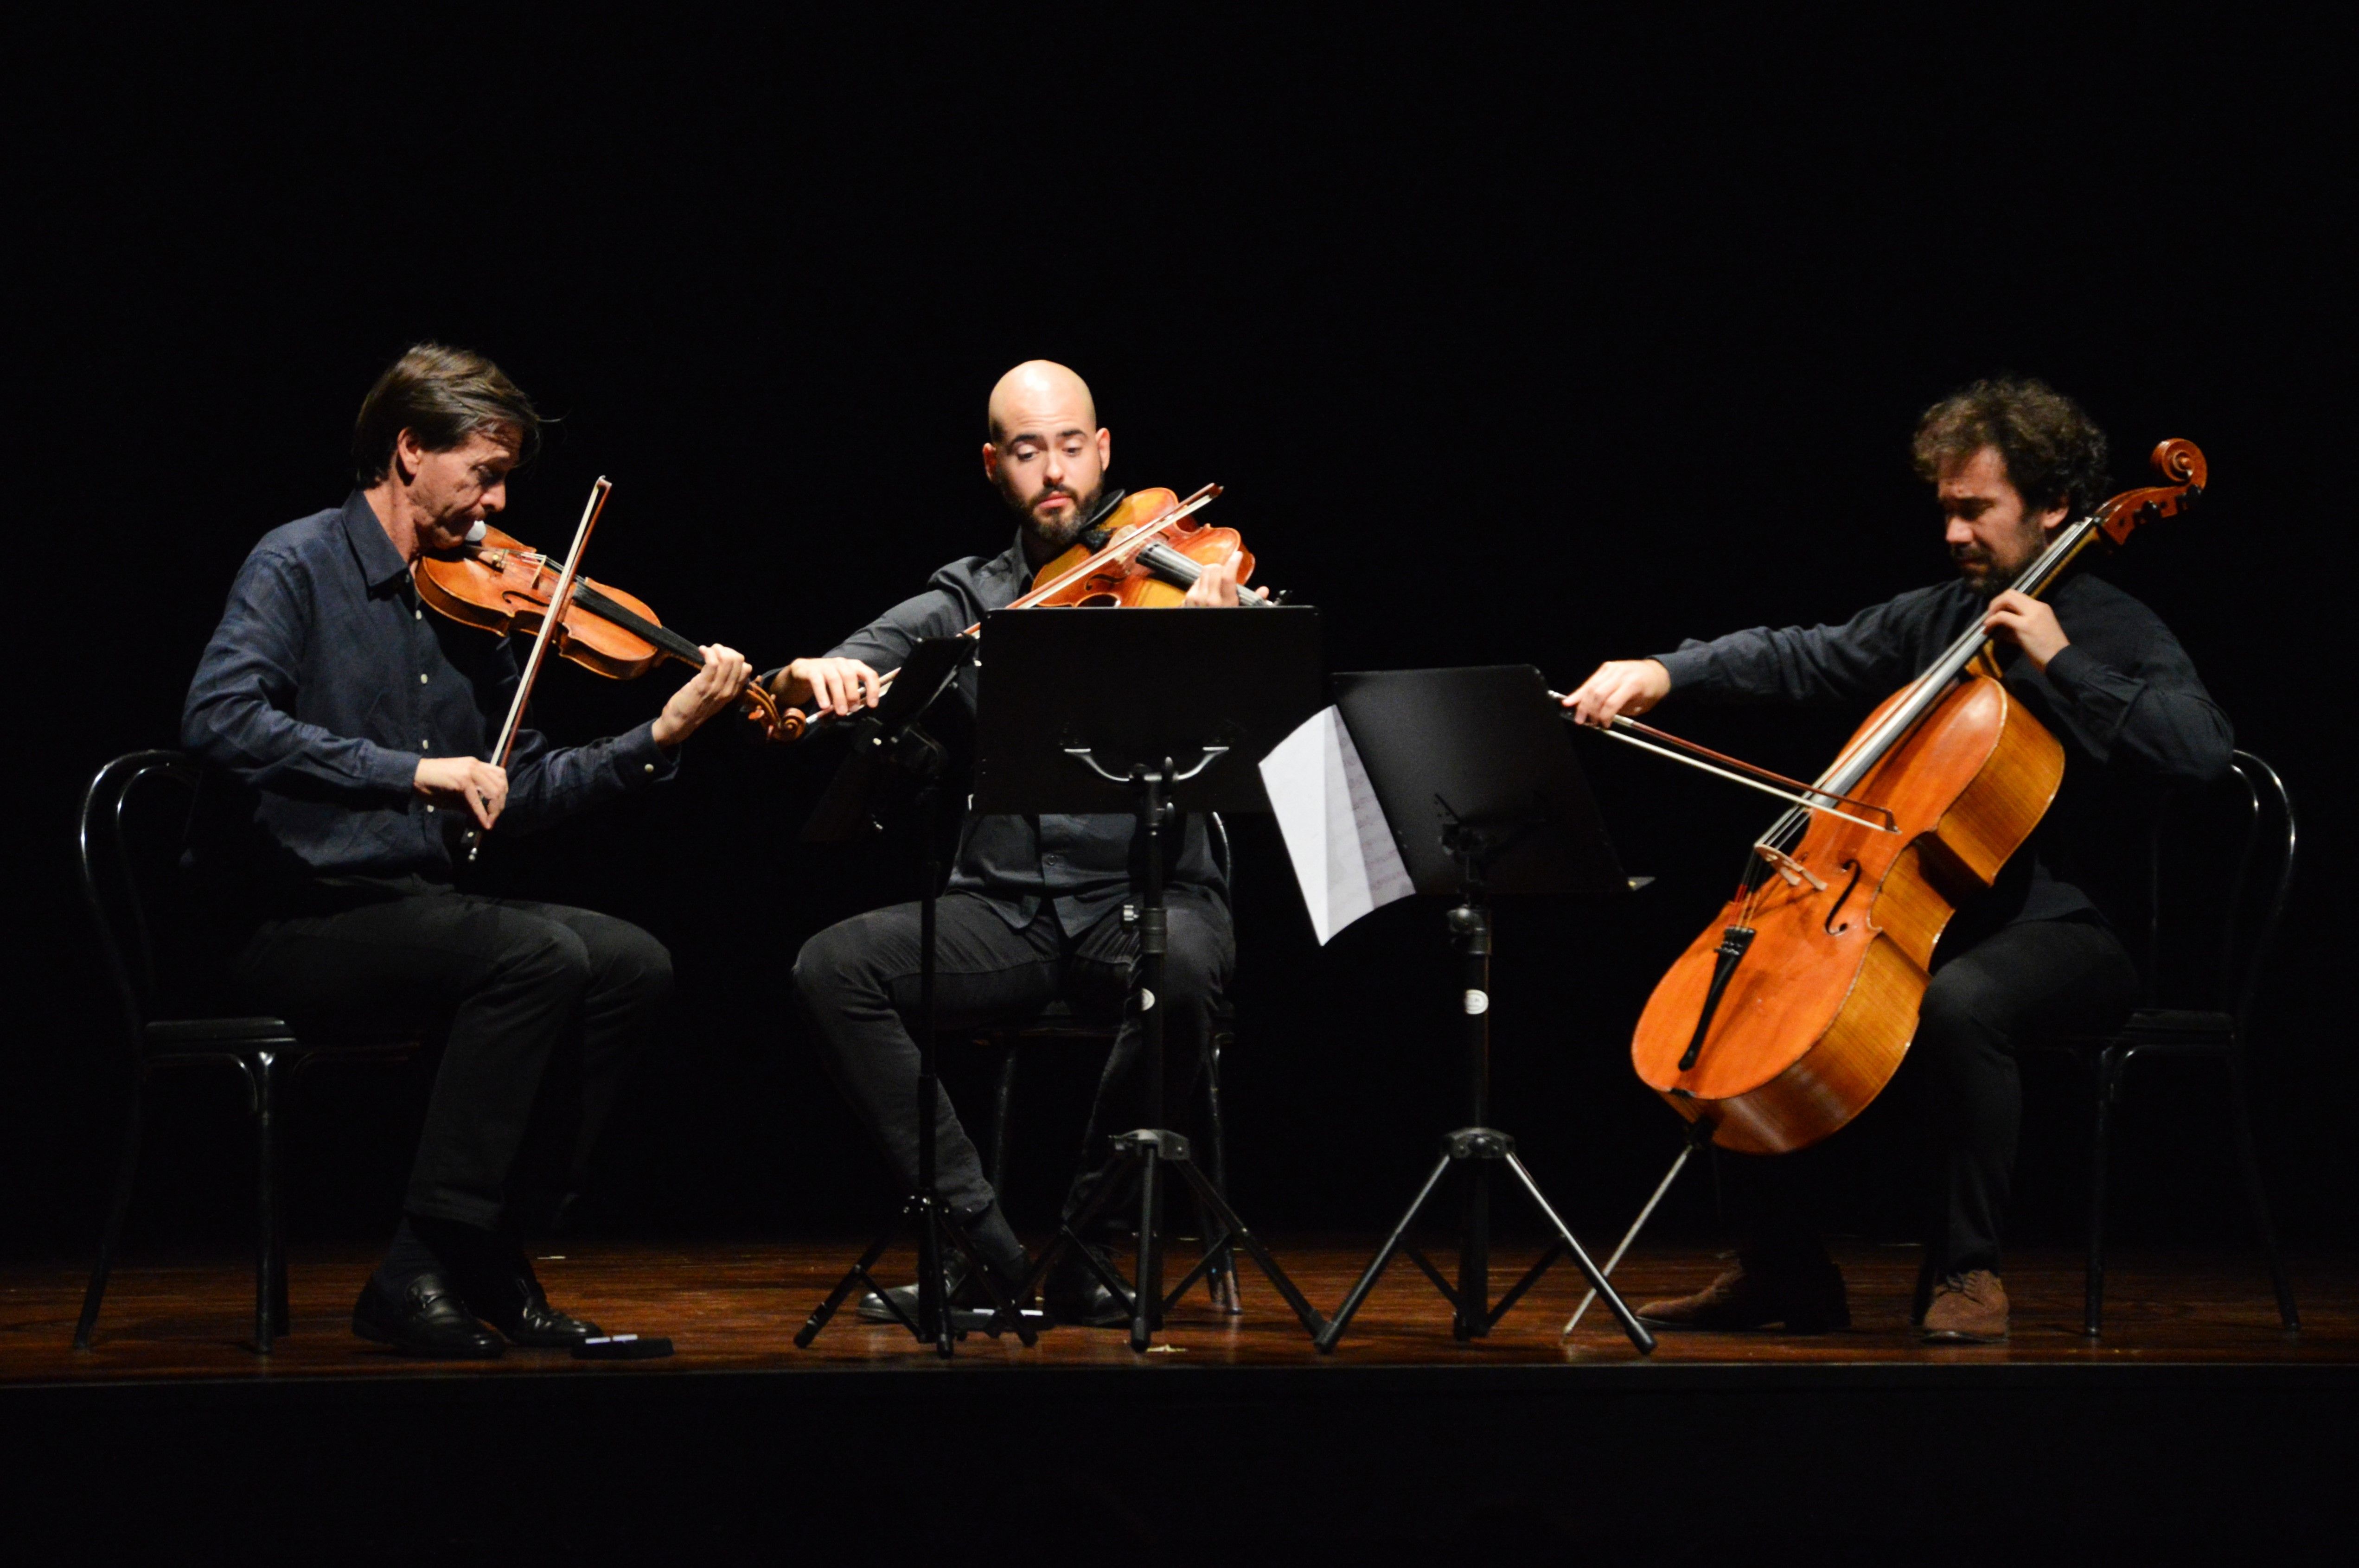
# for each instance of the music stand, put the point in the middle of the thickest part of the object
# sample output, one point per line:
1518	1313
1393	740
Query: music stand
1147	715
884	741
1478	783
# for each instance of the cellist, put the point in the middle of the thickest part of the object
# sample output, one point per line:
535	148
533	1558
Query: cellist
2011	462
1034	908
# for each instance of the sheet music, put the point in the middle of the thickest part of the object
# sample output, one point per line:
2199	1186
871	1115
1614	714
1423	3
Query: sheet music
1342	850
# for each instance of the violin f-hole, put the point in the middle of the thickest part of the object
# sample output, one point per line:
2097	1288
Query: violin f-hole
1842	898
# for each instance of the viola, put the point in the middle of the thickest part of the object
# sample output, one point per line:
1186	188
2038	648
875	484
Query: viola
504	586
1142	550
1790	1013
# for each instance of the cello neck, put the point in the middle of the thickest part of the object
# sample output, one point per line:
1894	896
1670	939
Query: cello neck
2045	571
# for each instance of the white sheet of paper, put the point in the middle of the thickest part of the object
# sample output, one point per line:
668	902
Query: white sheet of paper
1335	833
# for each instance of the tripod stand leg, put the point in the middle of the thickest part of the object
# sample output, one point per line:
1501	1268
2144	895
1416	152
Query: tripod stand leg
1470	1318
1614	1303
1327	1336
854	1277
1630	1235
1218	1206
1146	1298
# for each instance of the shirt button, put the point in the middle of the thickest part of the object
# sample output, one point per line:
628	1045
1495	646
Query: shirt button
418	615
429	810
650	767
421	677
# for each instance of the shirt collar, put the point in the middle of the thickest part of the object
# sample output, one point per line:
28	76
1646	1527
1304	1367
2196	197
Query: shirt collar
1016	561
373	549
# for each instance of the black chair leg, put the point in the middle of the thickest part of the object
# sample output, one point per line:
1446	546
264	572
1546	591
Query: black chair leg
269	1259
2249	1154
112	1236
2110	1063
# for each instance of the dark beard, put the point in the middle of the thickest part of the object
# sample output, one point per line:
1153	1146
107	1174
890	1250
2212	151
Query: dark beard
1056	538
1978	570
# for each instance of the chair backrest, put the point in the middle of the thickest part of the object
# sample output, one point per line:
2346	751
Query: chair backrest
130	829
2220	867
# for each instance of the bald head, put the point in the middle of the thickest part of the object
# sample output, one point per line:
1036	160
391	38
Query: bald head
1034	388
1046	454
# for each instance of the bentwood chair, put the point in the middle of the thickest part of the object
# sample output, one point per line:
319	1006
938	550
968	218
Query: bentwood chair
1058	1024
132	823
2220	865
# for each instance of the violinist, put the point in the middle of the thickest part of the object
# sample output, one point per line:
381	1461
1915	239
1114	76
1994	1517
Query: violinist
1033	908
341	730
2011	462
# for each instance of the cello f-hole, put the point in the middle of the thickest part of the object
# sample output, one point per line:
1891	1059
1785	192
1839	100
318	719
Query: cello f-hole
1842	898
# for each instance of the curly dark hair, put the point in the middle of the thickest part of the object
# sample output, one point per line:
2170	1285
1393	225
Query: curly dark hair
442	396
2054	453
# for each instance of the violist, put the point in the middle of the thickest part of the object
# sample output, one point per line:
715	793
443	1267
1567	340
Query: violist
1034	911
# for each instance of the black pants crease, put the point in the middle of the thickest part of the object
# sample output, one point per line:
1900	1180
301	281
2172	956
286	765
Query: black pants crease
859	980
518	981
1960	1088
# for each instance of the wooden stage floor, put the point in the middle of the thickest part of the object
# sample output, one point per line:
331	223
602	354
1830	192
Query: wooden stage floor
735	1308
2195	1426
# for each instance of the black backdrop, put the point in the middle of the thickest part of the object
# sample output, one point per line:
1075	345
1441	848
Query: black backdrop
1511	345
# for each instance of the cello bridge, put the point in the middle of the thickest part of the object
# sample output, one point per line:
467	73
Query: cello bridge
1786	866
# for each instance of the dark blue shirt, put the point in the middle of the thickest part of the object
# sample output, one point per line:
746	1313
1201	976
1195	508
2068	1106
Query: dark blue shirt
324	685
2123	699
1080	866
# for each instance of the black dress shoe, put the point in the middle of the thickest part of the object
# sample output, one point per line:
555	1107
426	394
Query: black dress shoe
427	1319
971	1305
512	1301
1076	1295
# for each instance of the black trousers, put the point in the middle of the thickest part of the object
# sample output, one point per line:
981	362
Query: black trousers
859	980
515	983
1961	1086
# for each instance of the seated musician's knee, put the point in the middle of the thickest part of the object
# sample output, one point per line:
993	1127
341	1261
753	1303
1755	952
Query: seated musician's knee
541	955
829	965
631	960
1962	1002
1200	957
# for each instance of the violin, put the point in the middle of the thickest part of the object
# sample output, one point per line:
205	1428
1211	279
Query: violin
503	586
1140	551
1787	1015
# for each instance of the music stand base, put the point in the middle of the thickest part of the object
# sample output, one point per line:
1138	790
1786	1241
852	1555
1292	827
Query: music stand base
1153	1151
935	1321
1477	1150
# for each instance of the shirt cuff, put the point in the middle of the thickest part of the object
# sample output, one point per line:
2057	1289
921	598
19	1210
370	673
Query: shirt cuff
387	768
640	761
1692	664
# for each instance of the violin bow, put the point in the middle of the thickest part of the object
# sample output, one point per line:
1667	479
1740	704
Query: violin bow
559	603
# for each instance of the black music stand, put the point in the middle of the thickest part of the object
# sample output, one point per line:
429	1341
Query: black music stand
887	742
1478	783
1147	715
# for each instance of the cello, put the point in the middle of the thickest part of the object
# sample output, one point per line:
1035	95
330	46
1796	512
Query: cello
1786	1016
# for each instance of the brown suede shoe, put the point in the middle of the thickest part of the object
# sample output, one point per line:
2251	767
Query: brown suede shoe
1804	1294
1968	1309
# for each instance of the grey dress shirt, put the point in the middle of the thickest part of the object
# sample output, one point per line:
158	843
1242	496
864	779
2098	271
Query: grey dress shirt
1079	865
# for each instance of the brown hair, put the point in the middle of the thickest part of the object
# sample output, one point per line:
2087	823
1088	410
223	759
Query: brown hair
2054	454
441	395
